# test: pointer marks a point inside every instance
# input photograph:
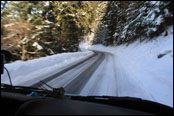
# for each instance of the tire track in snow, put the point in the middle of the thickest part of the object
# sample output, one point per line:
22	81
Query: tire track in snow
115	74
93	85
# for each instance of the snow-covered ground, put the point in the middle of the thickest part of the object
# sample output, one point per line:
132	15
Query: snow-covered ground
37	69
133	70
136	71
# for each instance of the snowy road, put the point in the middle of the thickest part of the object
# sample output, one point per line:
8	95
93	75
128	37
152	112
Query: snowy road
75	76
96	75
92	74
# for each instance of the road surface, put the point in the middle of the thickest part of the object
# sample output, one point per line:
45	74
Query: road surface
74	77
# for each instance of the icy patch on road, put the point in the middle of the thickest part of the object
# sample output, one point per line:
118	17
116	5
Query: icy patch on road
33	70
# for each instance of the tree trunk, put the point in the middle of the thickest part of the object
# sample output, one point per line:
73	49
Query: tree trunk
23	53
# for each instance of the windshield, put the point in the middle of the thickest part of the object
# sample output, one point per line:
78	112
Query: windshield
90	48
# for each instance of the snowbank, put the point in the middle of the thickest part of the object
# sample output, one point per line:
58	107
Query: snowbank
33	70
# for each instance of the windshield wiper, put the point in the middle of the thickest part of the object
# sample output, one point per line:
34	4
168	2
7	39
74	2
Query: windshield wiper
56	92
19	89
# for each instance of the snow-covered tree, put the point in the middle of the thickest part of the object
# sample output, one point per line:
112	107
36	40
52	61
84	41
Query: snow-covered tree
56	26
127	22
